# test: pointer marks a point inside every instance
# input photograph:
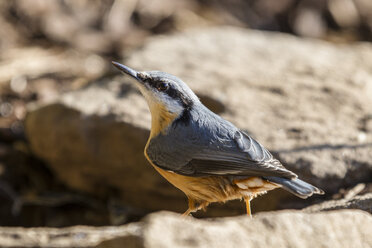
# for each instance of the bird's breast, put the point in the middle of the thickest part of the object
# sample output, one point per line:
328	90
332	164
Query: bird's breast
161	119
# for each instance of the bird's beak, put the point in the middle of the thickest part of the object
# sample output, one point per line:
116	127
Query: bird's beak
127	70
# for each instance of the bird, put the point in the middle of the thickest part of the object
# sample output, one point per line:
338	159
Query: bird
202	154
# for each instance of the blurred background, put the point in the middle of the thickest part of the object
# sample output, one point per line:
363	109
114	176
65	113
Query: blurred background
51	47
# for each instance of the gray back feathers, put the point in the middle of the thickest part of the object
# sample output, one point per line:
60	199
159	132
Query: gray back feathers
205	144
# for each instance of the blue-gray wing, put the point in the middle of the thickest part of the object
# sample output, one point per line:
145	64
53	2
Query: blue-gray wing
200	150
247	158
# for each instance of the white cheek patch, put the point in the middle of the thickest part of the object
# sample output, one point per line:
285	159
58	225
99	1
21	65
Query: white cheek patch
147	95
155	98
171	104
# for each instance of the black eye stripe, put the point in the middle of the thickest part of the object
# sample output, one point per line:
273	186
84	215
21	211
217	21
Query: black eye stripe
176	94
172	92
162	86
158	84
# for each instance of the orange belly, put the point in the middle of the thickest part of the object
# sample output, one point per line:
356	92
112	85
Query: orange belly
213	188
210	189
205	189
216	188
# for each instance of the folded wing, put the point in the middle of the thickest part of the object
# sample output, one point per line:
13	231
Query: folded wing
239	156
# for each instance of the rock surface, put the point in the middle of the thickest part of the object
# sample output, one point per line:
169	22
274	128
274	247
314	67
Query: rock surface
281	229
293	95
363	202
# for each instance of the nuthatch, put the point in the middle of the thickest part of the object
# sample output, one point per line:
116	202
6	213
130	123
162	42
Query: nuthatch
203	155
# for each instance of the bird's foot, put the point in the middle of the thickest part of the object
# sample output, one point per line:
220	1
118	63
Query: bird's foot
248	205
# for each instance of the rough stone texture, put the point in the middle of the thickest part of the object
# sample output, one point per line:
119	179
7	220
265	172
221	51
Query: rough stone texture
97	142
363	202
308	101
293	95
96	145
60	63
281	229
77	236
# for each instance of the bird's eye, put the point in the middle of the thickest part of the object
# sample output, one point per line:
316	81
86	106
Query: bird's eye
162	86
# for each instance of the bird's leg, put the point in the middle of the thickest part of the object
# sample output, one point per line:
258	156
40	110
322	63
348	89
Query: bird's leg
203	205
248	205
195	206
191	207
187	213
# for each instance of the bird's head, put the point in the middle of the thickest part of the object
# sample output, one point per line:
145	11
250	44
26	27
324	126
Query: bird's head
168	97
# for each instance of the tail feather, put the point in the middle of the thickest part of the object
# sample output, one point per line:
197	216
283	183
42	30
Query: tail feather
296	186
